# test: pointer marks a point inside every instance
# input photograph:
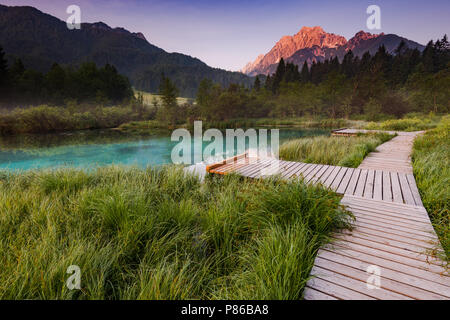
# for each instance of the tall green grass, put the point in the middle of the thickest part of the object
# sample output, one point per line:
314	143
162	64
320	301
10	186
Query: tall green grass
431	154
334	150
415	123
159	234
43	119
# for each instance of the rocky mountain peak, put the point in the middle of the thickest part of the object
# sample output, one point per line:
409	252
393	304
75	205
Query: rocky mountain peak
361	36
307	37
315	44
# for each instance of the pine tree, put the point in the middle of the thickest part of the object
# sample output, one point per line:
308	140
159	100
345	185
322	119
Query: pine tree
348	64
429	57
3	68
268	83
304	75
169	94
257	84
17	69
278	76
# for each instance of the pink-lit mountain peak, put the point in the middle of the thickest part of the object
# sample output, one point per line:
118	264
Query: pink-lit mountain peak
307	37
314	38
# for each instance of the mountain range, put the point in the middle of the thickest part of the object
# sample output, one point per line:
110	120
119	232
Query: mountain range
40	40
313	44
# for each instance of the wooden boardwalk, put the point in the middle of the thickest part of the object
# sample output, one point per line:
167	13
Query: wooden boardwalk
392	233
378	184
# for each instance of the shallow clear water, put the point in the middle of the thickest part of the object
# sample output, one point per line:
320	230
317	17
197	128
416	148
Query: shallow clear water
89	149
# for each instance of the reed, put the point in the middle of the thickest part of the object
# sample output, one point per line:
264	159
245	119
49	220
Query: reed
342	151
158	233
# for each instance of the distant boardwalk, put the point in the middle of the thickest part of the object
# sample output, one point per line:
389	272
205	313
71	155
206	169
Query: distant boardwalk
392	232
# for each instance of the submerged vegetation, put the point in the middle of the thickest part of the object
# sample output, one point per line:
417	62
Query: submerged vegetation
159	234
341	151
431	154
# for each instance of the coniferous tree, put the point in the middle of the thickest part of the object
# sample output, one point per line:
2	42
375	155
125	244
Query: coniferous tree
278	76
17	69
169	94
257	84
268	83
3	69
304	75
429	57
348	64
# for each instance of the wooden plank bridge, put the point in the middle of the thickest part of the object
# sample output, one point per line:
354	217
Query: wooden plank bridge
392	232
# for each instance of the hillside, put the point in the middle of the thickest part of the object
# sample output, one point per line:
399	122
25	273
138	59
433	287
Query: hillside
40	40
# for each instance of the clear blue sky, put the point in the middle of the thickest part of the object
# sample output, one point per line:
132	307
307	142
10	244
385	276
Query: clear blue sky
228	34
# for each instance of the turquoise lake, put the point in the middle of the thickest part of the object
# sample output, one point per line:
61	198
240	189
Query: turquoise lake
88	149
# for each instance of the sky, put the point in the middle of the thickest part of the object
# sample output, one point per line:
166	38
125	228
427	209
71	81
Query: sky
228	34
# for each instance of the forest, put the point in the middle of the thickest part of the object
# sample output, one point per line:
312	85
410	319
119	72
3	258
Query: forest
374	87
382	84
22	87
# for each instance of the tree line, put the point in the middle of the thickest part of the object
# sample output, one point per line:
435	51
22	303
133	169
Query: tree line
373	86
88	83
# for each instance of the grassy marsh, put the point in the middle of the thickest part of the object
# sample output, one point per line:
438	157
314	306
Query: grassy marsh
342	151
159	234
431	154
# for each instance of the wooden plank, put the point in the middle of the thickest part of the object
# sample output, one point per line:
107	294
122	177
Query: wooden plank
294	173
289	166
292	169
258	172
387	214
390	206
391	236
378	186
337	181
353	182
231	167
394	230
319	174
395	224
385	247
326	174
226	161
248	168
332	176
393	265
313	172
390	218
414	190
428	267
359	191
387	189
252	168
312	294
335	290
345	181
394	243
400	289
406	191
355	284
381	221
306	171
368	189
388	273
